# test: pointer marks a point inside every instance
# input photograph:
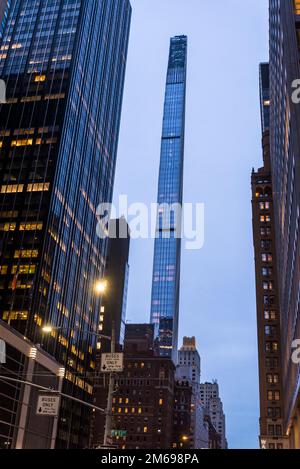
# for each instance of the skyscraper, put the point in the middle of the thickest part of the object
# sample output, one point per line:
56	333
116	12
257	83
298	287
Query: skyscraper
167	251
285	168
211	400
268	312
64	63
189	370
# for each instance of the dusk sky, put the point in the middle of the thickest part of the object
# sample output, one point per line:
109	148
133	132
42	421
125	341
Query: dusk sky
226	42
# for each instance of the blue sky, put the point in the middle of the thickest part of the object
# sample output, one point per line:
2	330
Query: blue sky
227	40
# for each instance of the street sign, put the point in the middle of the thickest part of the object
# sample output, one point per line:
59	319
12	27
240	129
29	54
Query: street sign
112	362
48	404
119	433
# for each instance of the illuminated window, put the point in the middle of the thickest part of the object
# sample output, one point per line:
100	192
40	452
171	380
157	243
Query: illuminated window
23	269
145	429
15	315
8	226
22	143
161	401
40	78
297	7
3	269
39	187
31	226
12	189
139	410
119	410
26	253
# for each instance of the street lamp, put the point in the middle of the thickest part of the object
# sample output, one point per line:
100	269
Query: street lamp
100	287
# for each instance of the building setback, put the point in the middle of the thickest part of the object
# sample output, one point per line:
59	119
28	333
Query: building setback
285	169
268	312
64	64
167	250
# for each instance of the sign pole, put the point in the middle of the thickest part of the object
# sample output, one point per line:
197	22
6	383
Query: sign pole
108	420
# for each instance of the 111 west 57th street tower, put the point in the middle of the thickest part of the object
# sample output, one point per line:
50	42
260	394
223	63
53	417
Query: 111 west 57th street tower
167	250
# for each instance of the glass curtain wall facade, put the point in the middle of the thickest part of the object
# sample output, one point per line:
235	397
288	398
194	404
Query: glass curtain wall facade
167	251
64	64
285	166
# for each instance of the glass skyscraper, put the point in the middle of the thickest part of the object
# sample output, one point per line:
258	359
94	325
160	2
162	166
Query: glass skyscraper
64	64
167	251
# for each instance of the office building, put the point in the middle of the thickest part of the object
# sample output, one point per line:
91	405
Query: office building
285	170
63	62
182	422
167	250
143	399
268	310
211	400
189	369
4	6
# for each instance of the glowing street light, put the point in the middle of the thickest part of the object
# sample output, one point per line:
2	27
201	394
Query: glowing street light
101	287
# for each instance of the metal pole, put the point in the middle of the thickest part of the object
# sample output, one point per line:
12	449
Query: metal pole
108	420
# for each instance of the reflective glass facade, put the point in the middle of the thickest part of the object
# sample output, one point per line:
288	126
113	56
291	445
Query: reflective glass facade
285	165
64	65
166	268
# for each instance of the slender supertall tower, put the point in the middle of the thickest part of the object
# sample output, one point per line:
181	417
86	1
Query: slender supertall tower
166	268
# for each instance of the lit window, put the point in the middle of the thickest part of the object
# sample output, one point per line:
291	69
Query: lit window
39	187
22	143
297	7
3	269
40	78
8	226
31	226
12	189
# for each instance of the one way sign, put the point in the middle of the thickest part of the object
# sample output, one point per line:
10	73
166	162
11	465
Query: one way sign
112	362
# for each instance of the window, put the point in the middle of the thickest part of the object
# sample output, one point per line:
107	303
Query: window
297	7
8	226
22	143
3	269
271	331
266	257
26	253
270	315
38	187
12	189
268	285
271	346
40	78
272	379
31	226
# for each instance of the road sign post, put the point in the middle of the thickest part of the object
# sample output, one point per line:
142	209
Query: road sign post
112	362
48	405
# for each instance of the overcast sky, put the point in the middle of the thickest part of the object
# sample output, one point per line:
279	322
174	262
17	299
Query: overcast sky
227	40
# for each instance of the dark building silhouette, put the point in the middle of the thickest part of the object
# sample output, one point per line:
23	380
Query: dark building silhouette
114	301
268	308
167	249
182	420
64	65
144	395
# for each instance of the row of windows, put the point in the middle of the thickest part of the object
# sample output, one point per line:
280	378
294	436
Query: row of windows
23	226
16	188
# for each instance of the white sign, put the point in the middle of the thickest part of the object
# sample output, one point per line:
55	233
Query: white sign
2	352
48	404
112	362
